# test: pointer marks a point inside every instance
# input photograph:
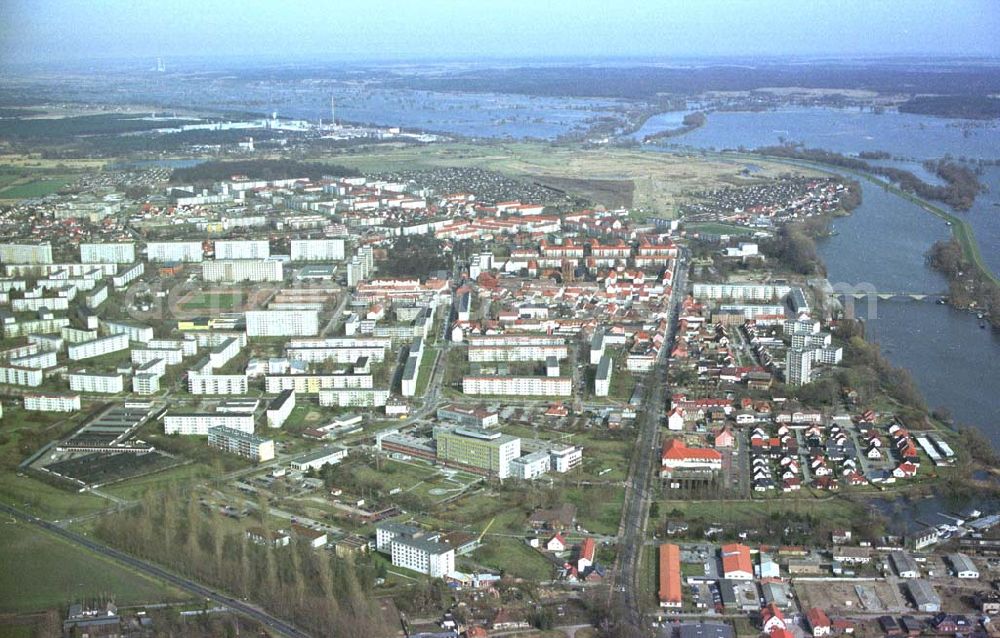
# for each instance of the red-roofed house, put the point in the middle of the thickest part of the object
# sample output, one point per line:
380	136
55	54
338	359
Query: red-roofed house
587	550
736	563
819	622
677	455
556	544
772	620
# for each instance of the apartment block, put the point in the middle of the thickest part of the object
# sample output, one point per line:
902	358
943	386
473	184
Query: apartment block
279	409
282	323
217	383
183	251
83	381
517	386
349	398
239	270
135	331
199	423
107	253
242	249
26	253
52	402
97	347
241	443
317	249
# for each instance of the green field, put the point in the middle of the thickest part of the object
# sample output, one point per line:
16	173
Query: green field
514	557
41	571
718	229
222	301
35	188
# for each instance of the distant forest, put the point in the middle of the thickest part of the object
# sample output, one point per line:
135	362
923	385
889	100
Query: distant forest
258	170
646	82
973	107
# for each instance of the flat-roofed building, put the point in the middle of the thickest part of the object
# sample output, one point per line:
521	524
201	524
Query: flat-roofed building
242	249
217	383
477	417
482	451
239	270
40	402
282	323
318	458
97	347
317	249
517	386
199	423
279	408
135	331
530	466
83	381
26	253
183	251
107	253
241	443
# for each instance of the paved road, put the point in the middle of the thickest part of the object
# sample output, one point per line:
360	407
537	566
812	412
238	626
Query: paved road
638	491
273	624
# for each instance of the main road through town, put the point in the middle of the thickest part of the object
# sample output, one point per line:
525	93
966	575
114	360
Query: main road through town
273	624
638	488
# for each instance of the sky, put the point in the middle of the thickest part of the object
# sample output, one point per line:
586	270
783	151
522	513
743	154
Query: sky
44	31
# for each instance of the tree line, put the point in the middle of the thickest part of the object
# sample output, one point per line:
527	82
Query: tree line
325	595
959	193
265	169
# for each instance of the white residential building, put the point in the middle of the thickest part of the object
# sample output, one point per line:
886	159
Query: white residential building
134	331
83	381
238	270
242	249
107	253
518	386
217	383
11	375
128	275
26	253
282	323
199	423
146	383
564	458
317	249
241	443
798	366
314	383
479	354
185	251
602	380
97	347
434	559
52	402
279	409
170	356
531	466
353	398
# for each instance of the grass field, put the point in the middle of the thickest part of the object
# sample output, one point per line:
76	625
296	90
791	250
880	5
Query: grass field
514	557
737	514
718	229
42	571
656	181
38	187
221	301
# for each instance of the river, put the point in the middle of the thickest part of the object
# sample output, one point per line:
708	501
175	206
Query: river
883	243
